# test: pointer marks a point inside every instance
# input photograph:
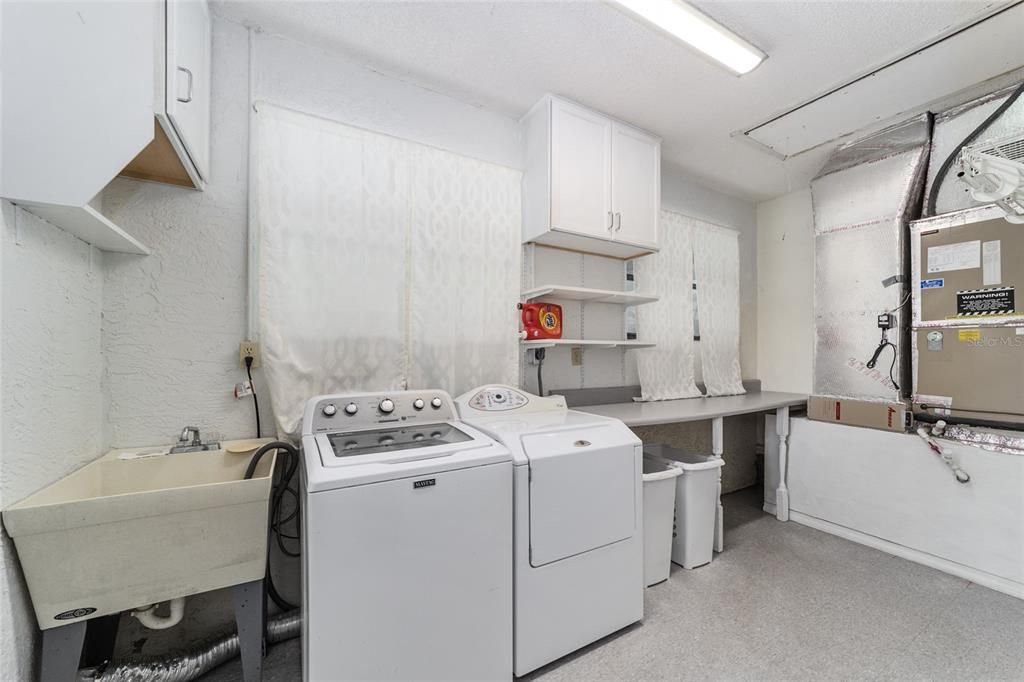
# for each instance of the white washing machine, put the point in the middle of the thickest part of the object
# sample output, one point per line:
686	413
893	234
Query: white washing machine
407	542
578	520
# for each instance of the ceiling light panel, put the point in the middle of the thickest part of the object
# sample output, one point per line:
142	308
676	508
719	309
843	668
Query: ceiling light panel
685	23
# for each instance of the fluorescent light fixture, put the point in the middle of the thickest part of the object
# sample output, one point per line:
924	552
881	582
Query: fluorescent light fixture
698	31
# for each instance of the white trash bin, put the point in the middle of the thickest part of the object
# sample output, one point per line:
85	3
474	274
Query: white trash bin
693	541
659	509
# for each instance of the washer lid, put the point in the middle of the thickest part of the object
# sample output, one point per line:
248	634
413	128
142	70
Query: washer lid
395	439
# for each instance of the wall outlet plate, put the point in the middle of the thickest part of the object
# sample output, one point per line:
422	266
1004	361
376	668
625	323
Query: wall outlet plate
247	348
577	356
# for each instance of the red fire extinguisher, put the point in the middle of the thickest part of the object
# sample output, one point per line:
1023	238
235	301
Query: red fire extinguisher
541	320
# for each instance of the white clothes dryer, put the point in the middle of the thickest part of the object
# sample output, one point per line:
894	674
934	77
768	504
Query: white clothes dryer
578	535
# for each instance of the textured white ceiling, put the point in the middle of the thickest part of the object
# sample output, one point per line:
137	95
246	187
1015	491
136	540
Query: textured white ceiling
506	55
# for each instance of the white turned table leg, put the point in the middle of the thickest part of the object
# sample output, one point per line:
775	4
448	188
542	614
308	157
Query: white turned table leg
782	492
717	449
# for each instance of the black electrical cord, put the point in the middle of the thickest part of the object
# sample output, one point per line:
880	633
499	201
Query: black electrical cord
933	193
279	488
539	353
255	401
882	345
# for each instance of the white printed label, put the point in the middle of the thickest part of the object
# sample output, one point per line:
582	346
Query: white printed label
962	256
1020	331
992	263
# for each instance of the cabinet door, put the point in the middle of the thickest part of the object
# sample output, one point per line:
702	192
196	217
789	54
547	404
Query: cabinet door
188	78
636	185
580	170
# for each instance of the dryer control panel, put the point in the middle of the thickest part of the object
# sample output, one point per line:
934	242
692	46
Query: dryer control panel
357	411
497	398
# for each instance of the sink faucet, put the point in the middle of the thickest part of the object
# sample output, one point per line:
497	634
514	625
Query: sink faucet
190	441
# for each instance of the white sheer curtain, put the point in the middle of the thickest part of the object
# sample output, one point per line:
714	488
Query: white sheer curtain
717	269
381	263
466	269
666	371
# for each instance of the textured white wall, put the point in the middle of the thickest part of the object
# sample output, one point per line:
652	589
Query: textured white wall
172	321
327	84
683	194
52	376
785	296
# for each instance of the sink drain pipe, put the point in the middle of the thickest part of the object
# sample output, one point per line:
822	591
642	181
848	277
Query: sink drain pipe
190	665
148	617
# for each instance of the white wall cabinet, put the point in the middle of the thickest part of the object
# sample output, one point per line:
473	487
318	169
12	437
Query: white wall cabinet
591	183
93	89
179	153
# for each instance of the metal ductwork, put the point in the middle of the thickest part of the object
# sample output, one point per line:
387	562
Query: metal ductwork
190	665
864	199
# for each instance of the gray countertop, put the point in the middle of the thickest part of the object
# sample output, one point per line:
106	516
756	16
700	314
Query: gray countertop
694	409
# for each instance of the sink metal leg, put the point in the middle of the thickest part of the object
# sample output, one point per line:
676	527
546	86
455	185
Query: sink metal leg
250	616
62	649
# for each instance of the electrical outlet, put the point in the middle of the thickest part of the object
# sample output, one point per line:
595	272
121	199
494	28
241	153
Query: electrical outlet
249	348
577	356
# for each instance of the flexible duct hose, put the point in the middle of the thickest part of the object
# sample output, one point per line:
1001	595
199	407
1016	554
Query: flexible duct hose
933	195
190	665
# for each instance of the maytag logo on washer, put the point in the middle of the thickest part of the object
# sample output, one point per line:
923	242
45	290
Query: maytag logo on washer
75	613
425	483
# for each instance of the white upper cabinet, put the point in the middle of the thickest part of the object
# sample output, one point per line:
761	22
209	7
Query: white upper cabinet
591	183
636	184
77	96
180	151
581	197
188	78
96	88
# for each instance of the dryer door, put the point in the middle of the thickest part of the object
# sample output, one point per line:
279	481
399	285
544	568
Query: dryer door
583	487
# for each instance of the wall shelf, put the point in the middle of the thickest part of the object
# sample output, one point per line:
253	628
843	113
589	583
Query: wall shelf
89	225
585	343
585	294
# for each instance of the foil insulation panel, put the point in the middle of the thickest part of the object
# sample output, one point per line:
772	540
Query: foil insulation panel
952	127
849	266
863	200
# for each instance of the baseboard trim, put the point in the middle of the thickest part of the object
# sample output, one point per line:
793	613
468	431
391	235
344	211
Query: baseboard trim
993	582
769	508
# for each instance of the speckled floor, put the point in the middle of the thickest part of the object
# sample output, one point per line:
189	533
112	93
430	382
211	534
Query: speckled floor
786	602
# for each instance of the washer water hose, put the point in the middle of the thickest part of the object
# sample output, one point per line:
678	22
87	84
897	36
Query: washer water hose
190	665
947	457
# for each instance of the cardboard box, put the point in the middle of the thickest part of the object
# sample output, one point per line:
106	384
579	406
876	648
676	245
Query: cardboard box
885	416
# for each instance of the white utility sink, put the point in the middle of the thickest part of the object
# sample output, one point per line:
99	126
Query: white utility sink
125	532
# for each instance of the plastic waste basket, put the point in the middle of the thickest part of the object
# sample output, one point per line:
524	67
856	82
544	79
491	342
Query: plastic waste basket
659	509
693	539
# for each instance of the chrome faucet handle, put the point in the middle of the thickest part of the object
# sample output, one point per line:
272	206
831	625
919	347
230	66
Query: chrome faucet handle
190	436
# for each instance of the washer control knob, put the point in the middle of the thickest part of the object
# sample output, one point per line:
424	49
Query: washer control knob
329	410
436	403
351	409
418	403
387	406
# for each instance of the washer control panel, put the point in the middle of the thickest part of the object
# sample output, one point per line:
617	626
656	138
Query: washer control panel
356	411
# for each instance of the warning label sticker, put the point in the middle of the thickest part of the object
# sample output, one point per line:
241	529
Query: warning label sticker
978	302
